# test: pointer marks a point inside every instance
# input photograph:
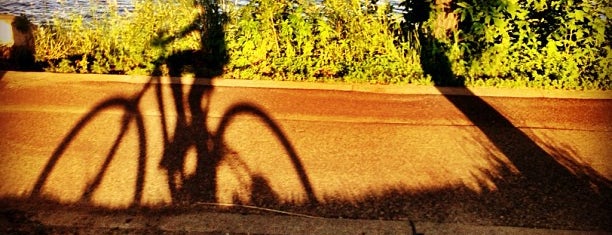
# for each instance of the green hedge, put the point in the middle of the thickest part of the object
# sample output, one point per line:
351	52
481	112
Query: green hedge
559	44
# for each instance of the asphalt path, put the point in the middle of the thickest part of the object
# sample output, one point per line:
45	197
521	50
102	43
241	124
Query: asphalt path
527	162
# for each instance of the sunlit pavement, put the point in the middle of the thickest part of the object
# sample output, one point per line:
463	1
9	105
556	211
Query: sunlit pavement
420	157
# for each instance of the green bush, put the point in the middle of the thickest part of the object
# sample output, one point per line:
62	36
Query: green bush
337	40
115	43
535	43
561	44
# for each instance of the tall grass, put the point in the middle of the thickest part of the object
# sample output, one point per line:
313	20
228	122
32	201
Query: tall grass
116	43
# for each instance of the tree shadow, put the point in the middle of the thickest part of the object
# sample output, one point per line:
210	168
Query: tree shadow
544	181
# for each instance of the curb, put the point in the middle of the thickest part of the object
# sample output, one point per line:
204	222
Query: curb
24	78
208	222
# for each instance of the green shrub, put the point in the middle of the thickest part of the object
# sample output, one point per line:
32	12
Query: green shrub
117	43
549	44
557	44
348	41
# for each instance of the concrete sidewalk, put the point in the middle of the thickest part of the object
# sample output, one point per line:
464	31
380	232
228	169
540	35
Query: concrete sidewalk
60	221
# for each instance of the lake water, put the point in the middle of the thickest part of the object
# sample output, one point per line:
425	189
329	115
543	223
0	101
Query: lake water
39	11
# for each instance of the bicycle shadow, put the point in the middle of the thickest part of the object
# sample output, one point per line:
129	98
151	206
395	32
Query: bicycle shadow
540	186
191	104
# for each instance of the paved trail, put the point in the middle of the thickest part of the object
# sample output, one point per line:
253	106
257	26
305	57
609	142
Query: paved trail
325	153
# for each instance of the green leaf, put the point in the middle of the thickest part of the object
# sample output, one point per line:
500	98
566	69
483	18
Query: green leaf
579	15
579	34
464	5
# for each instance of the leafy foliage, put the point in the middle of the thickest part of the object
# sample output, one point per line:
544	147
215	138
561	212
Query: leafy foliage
348	41
534	43
114	43
563	44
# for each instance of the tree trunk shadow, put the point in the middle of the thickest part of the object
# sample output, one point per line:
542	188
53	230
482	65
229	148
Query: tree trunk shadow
543	188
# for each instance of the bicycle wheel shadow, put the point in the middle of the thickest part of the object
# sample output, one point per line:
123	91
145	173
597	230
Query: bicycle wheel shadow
262	192
129	106
183	129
